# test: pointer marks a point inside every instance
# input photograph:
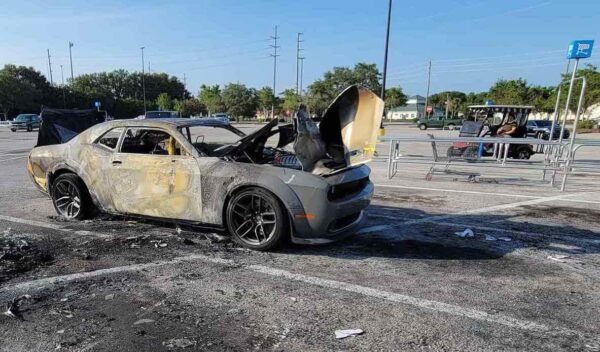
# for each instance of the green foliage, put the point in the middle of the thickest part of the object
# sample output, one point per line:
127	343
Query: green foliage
291	100
587	124
190	107
510	92
210	96
395	97
164	103
265	99
239	100
323	91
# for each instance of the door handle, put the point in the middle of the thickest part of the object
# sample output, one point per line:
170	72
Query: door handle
117	162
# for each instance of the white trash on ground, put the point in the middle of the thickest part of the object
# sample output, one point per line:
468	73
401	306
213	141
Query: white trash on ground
465	233
342	334
505	239
559	257
490	238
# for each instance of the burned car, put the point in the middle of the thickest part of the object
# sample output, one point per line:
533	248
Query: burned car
299	181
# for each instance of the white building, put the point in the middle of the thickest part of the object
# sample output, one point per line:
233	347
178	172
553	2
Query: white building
414	109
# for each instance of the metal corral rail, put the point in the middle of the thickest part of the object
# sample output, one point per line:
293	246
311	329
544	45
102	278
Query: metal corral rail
443	155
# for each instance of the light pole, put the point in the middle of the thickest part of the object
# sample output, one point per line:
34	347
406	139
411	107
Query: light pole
71	60
62	76
143	80
385	61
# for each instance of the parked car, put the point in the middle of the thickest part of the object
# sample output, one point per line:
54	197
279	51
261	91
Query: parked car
182	170
158	115
438	122
541	129
223	116
25	122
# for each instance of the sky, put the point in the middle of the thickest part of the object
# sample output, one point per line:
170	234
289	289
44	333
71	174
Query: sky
471	43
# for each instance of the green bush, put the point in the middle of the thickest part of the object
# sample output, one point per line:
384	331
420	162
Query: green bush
587	124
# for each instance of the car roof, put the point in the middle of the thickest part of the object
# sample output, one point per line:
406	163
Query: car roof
175	122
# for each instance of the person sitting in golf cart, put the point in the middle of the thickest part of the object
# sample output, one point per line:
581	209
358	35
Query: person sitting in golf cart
509	128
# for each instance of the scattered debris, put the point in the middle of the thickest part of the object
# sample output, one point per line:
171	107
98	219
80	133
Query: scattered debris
180	343
465	233
559	258
294	299
216	238
143	321
109	297
61	331
13	306
490	238
505	239
342	334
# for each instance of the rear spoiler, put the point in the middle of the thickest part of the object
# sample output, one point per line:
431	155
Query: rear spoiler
61	125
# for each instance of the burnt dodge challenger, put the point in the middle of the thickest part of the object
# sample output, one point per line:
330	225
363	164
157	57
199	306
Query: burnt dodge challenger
303	181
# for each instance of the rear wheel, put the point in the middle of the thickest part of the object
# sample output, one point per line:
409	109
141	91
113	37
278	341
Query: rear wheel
256	219
29	128
422	127
70	197
13	129
451	126
523	153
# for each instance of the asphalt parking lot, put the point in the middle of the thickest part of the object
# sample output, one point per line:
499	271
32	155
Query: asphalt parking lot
527	280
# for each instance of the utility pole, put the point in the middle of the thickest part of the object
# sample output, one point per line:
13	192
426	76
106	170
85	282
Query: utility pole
50	67
447	105
301	73
143	79
298	41
148	66
385	60
71	60
428	85
184	85
62	76
274	55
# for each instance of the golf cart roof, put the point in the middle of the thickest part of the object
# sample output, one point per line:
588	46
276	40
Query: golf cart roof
501	107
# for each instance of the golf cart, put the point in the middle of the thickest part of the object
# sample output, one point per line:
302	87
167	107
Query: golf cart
494	121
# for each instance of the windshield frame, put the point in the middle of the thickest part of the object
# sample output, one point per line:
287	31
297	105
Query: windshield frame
185	132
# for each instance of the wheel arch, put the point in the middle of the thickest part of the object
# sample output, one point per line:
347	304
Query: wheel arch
62	169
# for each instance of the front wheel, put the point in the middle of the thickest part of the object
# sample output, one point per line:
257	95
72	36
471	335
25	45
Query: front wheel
29	128
256	219
422	127
13	129
70	197
451	126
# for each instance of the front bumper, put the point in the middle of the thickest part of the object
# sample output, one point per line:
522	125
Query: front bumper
334	220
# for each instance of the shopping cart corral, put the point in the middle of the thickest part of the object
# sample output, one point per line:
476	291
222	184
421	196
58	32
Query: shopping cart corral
448	153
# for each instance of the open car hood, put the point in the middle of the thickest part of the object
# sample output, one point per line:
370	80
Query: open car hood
346	136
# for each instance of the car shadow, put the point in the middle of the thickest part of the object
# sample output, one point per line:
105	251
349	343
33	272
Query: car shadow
386	234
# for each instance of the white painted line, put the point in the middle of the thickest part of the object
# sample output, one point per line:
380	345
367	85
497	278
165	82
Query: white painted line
457	191
280	273
19	157
468	212
482	193
50	226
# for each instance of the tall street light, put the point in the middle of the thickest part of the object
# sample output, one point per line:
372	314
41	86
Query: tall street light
385	60
143	79
71	59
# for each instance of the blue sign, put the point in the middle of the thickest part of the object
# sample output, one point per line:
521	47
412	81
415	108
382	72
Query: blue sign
580	49
97	104
489	102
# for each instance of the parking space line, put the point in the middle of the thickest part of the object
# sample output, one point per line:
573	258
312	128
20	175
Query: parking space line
55	227
426	304
489	209
18	157
457	191
483	193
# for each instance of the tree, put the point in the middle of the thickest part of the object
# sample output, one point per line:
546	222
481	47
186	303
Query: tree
211	97
514	92
291	100
239	100
163	101
265	99
323	91
189	107
21	89
592	94
395	97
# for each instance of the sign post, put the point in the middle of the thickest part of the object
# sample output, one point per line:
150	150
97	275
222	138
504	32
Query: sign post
578	49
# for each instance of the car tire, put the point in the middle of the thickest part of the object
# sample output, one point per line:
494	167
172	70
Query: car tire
523	153
256	219
13	129
422	127
451	126
29	128
71	198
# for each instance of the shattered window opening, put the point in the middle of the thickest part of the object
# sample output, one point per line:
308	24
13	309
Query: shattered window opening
151	141
111	138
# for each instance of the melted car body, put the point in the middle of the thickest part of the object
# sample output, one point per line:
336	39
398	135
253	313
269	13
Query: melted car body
166	169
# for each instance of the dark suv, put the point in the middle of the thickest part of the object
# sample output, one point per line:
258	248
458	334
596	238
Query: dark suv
25	122
541	129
